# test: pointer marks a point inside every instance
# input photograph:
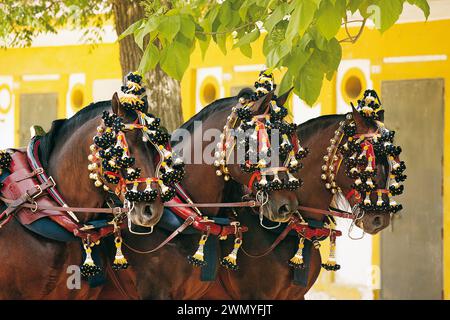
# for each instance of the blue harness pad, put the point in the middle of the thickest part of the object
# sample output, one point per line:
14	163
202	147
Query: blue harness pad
170	222
300	275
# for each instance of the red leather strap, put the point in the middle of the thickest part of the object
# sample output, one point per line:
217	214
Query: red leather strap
202	224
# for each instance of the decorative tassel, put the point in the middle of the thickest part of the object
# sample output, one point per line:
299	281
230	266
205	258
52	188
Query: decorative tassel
380	199
296	261
88	268
166	153
262	184
229	261
120	262
293	183
276	183
331	264
198	258
367	201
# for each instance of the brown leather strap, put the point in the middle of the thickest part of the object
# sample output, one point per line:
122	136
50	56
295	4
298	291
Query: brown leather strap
22	202
116	210
180	229
274	244
28	175
251	203
344	214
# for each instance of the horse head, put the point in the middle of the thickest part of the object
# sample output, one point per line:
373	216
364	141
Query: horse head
373	170
123	156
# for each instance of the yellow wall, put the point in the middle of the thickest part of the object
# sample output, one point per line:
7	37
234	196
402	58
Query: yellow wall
101	62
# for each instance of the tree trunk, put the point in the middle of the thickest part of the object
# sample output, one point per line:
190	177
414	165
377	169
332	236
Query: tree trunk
163	92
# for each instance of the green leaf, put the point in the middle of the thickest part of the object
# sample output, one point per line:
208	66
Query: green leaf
246	50
130	30
330	18
244	9
169	27
149	59
286	83
204	45
187	26
300	19
308	83
150	26
275	37
225	13
423	5
389	12
247	38
221	40
331	57
353	5
175	59
276	16
297	59
277	53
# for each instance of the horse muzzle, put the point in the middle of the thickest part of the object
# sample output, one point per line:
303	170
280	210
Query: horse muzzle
372	223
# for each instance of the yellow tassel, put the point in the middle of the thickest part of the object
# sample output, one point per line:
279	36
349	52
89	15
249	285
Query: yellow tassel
230	261
120	262
198	258
331	264
88	268
296	261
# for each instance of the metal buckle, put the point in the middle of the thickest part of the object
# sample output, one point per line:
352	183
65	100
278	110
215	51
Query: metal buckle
39	171
37	194
52	181
35	209
236	224
205	219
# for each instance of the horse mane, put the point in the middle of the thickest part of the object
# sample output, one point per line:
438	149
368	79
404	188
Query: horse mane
306	129
62	127
215	106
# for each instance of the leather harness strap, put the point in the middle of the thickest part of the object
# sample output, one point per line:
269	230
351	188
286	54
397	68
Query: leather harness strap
277	241
241	204
340	214
177	231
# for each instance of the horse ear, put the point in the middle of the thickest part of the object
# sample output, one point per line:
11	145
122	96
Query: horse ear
262	103
381	115
360	122
116	106
281	100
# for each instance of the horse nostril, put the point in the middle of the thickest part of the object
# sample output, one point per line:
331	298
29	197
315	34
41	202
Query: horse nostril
284	210
376	221
148	210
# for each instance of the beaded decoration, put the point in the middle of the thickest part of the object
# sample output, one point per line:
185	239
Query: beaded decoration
360	155
257	144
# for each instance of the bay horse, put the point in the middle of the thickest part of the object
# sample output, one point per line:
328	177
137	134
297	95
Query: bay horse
166	273
34	267
265	273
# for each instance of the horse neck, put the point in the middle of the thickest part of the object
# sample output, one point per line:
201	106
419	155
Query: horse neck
200	180
313	193
68	163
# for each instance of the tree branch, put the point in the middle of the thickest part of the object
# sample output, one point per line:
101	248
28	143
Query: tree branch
353	38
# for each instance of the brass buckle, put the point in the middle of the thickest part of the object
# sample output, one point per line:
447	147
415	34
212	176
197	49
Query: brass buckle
205	219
